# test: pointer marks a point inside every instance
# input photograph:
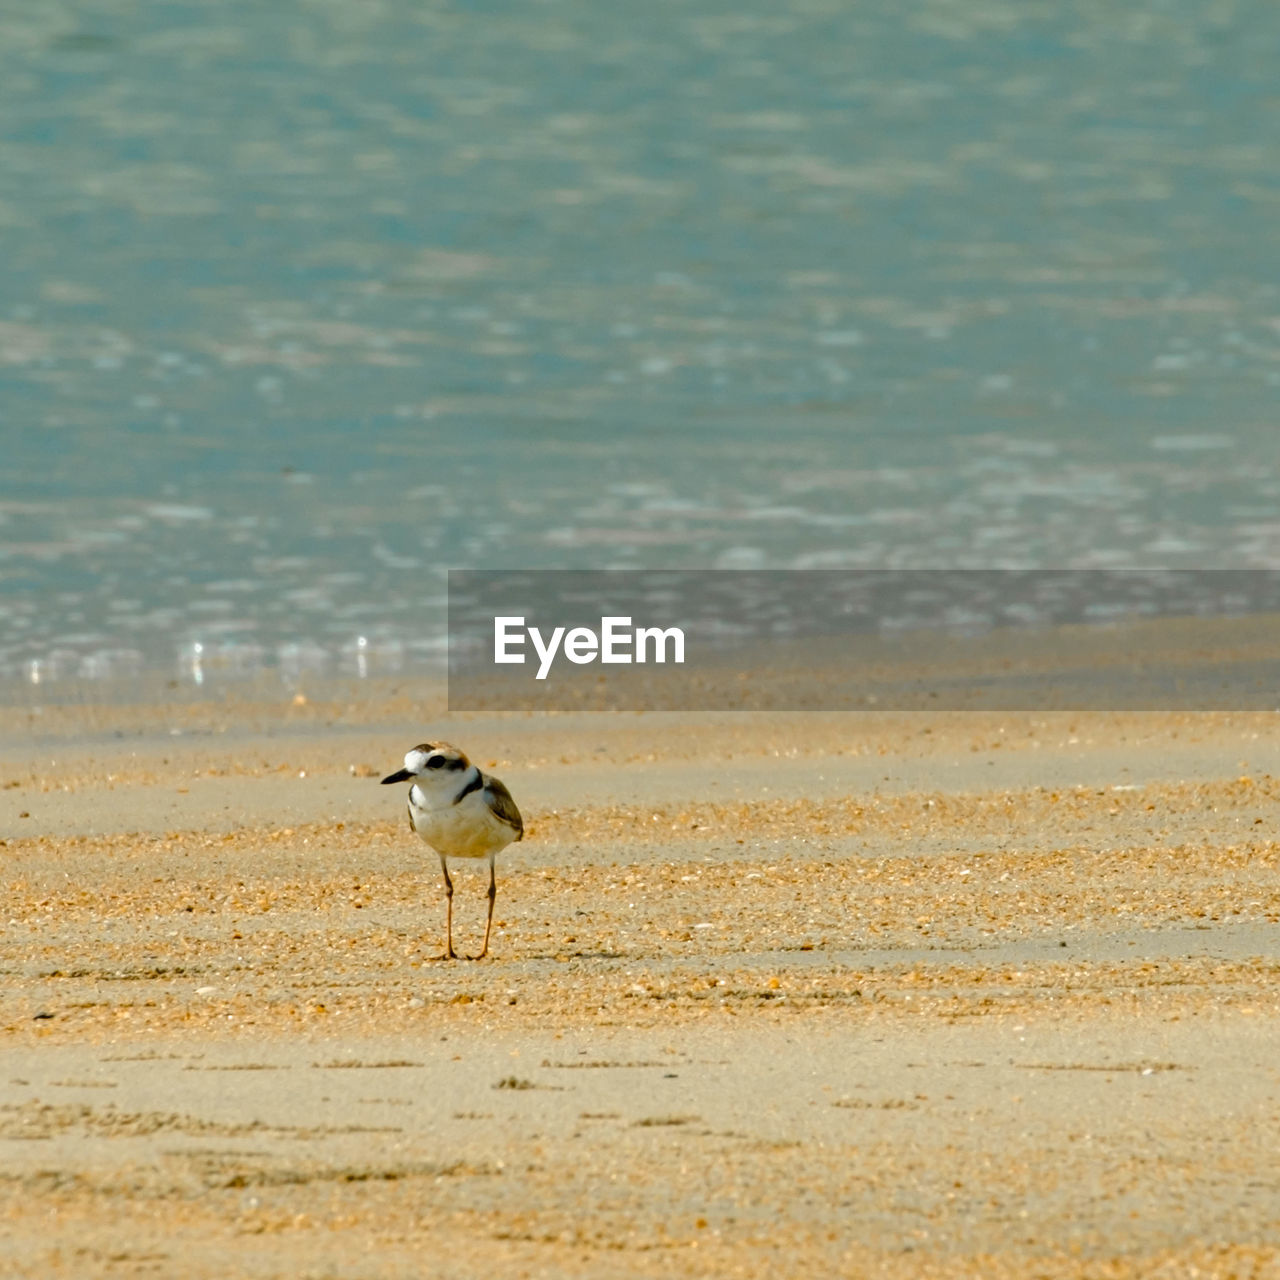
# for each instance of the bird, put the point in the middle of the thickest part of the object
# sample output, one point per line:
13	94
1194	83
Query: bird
460	812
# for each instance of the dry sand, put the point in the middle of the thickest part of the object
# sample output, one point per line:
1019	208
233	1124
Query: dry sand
896	995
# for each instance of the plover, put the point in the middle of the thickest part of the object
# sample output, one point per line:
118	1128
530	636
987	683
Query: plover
461	813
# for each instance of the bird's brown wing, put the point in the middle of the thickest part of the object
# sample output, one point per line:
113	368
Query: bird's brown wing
503	806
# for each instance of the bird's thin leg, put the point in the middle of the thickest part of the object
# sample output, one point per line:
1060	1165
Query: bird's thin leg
449	953
488	924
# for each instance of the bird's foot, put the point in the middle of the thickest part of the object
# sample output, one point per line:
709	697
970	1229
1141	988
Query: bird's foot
480	955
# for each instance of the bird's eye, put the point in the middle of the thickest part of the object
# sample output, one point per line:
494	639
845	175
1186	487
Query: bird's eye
435	762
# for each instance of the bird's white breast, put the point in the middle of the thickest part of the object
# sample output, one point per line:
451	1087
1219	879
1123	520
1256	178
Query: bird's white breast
464	830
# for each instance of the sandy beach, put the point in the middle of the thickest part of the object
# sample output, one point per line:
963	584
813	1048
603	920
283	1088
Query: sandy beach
886	995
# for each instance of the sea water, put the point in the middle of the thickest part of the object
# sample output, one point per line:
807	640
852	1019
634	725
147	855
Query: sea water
304	303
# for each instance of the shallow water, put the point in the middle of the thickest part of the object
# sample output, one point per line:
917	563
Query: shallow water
303	304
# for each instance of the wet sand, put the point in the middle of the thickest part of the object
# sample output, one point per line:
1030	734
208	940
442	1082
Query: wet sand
899	995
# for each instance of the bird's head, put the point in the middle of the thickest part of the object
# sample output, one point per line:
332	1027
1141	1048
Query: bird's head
429	761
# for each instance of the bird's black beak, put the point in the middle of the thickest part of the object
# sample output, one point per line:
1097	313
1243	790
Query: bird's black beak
400	775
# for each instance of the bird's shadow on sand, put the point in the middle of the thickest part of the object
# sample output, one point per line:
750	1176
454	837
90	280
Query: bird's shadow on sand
576	955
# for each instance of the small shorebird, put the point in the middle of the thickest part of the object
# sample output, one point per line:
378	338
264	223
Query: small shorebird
461	813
